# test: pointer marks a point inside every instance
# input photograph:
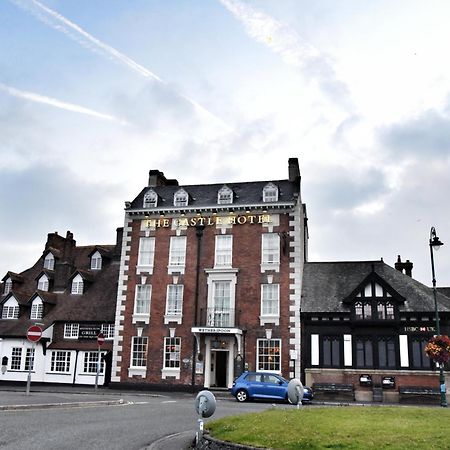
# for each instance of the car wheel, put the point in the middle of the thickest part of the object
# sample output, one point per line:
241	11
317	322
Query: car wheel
241	395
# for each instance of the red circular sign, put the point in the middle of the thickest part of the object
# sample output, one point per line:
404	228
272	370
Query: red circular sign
100	339
34	333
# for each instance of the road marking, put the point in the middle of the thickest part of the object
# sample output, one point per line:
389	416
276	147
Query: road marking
169	401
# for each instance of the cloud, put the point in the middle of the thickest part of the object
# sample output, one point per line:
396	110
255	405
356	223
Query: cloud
60	23
37	98
292	48
344	189
147	108
424	136
401	228
41	199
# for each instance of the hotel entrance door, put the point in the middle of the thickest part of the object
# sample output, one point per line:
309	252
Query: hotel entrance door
219	368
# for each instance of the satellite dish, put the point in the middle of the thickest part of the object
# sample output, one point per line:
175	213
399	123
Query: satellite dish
295	391
205	403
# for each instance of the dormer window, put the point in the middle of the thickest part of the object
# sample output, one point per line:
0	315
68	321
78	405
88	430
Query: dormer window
363	310
77	285
8	286
150	199
374	303
10	309
270	193
37	309
181	198
385	311
43	283
49	262
225	196
96	261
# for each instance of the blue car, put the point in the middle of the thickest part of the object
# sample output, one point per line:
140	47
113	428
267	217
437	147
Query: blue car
263	385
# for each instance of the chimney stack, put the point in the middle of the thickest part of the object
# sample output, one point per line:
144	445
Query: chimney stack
157	178
404	267
294	170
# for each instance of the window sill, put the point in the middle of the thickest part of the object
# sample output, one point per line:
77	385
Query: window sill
145	318
173	318
89	374
137	371
176	269
265	267
144	269
170	373
274	319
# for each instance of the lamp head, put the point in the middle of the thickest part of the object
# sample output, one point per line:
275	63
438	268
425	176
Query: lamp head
435	242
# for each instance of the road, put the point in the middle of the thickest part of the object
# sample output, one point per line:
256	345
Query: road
141	420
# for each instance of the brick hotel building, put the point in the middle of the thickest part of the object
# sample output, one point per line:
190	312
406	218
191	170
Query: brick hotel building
210	282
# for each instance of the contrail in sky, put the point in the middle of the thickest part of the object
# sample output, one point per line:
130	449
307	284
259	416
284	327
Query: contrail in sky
275	35
60	23
292	48
31	96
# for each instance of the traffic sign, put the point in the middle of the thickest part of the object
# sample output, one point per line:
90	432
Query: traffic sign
100	339
34	333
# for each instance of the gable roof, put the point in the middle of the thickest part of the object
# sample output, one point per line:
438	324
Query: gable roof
97	304
327	284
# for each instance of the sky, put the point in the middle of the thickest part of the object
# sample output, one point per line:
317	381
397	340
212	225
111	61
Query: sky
95	93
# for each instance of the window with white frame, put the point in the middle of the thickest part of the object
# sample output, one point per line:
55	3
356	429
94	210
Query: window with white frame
270	248
71	330
269	354
177	254
10	309
108	330
146	254
77	285
18	363
270	193
174	301
16	358
221	315
224	250
172	351
139	351
270	299
49	262
180	198
150	199
96	261
43	283
8	286
60	361
142	299
29	359
37	309
225	196
90	362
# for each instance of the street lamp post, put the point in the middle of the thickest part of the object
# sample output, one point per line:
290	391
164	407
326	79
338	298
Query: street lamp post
435	244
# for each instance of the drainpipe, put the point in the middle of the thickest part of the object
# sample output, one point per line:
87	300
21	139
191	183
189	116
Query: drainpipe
199	234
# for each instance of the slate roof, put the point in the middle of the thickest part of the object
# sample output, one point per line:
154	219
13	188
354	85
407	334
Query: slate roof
203	195
327	284
97	304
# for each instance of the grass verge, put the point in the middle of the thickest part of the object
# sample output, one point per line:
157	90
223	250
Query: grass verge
339	428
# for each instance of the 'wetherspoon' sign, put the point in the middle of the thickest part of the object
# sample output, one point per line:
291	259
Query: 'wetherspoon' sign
208	221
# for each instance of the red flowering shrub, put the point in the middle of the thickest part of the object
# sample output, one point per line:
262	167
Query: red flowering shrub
438	349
